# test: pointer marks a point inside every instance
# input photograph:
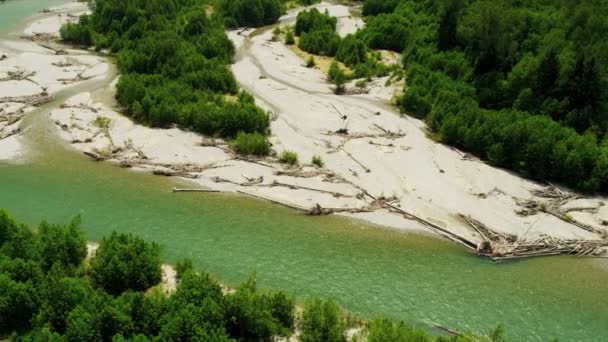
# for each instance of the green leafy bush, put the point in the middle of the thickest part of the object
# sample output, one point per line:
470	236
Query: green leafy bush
322	321
250	13
290	38
125	262
310	62
317	161
289	157
252	144
102	122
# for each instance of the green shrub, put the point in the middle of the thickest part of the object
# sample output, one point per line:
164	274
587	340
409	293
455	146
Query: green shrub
102	122
252	144
310	62
313	20
290	39
276	33
126	262
250	13
317	161
337	75
322	321
289	157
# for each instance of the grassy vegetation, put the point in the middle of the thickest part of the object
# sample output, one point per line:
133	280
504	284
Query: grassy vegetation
289	157
317	161
102	122
310	62
252	144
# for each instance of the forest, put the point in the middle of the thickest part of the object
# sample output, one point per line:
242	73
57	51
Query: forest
50	290
520	84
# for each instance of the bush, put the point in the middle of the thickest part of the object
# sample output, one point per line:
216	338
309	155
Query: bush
252	144
351	51
320	42
125	262
250	13
313	20
317	161
310	62
337	75
102	122
289	38
289	157
322	321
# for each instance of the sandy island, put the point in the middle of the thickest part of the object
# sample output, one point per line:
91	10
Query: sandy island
385	170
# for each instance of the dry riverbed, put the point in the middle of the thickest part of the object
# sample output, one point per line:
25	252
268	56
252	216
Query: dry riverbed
379	165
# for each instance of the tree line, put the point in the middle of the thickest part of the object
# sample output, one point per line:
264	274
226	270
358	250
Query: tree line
521	84
51	291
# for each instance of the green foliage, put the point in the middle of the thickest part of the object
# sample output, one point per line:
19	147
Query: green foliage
322	321
290	39
351	51
374	7
17	305
64	245
80	34
381	330
317	161
58	304
258	316
289	157
313	20
252	144
337	75
102	122
250	13
276	33
174	62
323	42
183	266
310	62
125	262
518	83
387	31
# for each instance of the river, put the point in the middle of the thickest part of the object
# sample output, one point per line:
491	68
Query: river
368	270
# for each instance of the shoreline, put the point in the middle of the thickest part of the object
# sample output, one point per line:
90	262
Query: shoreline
384	171
34	69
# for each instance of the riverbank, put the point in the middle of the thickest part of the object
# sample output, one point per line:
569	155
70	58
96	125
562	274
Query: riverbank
384	170
34	69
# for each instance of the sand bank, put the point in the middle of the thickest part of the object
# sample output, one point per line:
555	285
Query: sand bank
34	68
